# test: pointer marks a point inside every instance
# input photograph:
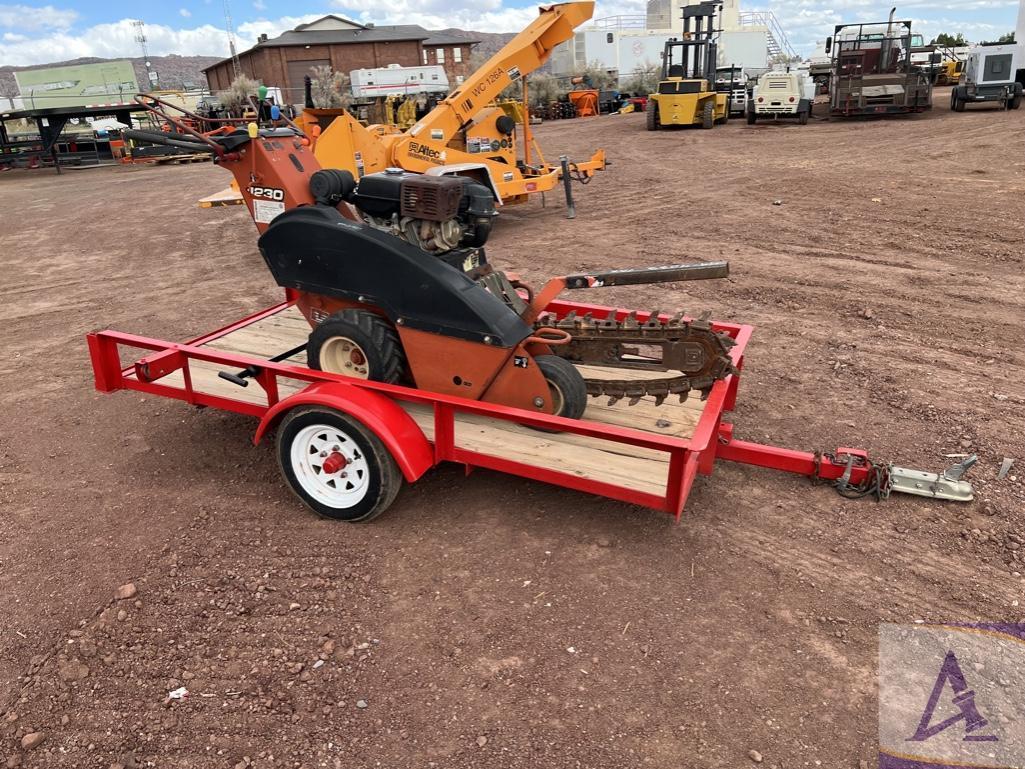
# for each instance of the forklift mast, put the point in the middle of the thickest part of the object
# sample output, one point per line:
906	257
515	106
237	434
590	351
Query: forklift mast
698	49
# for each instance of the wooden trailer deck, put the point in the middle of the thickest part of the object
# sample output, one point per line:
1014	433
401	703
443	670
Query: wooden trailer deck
631	467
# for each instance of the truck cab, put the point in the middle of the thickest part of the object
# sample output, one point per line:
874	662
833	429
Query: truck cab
780	95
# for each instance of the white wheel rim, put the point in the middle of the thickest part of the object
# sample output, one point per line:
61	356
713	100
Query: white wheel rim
341	355
311	448
558	401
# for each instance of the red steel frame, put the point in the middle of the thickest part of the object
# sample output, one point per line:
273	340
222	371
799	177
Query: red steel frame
712	437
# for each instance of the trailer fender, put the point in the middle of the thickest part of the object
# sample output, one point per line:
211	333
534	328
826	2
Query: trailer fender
383	416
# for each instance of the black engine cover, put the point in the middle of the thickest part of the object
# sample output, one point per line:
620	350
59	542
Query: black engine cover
316	249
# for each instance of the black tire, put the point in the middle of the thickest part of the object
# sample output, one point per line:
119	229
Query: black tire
375	478
651	115
802	117
1014	102
708	114
953	99
957	102
569	393
377	342
751	117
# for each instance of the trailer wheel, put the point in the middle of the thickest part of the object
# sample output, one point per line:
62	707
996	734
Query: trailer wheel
651	115
708	115
1014	102
356	343
335	465
566	385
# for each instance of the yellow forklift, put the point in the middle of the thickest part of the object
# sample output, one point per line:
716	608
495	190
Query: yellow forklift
686	94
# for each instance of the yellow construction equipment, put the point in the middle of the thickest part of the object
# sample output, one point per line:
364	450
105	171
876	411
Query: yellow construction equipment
686	94
462	135
949	72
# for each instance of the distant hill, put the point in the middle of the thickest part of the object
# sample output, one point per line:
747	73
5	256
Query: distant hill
174	71
182	71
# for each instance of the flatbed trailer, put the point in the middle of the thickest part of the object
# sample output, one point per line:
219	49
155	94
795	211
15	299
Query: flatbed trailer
646	454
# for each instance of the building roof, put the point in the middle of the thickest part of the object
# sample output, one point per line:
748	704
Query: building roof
92	110
369	33
343	36
449	38
329	17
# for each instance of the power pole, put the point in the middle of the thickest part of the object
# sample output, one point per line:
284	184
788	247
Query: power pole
140	38
236	66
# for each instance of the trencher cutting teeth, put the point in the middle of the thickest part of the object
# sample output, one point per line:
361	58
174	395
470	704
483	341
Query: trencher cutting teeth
691	347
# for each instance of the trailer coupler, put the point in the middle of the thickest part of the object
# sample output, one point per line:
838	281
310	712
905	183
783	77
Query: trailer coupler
945	485
882	480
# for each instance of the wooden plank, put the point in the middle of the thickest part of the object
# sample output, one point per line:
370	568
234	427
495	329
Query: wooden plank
594	458
631	467
226	197
288	329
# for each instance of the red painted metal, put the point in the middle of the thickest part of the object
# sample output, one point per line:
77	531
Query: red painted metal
381	414
377	406
826	467
334	462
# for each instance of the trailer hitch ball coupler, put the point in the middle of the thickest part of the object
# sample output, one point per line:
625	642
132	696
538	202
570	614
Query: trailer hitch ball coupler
945	485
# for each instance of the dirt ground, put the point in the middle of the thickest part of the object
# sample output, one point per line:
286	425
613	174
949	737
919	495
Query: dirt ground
490	621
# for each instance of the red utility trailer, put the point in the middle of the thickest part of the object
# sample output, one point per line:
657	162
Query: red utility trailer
340	439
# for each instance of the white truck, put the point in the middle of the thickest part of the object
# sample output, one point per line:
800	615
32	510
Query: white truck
989	76
396	80
781	95
733	81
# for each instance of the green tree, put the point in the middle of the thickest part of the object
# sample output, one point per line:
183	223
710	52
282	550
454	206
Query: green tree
544	88
1006	38
236	98
600	78
951	41
782	58
329	89
644	79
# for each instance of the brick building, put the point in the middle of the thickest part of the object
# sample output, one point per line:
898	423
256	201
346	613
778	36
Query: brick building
345	45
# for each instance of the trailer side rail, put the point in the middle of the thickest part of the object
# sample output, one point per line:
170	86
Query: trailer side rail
686	456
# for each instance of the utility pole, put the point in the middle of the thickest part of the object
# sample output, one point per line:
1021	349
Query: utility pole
236	66
140	38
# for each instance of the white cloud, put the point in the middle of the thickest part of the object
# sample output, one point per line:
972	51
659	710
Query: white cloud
185	13
247	32
36	18
117	40
44	34
484	16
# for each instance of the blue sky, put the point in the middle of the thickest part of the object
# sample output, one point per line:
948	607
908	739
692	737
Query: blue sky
32	33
